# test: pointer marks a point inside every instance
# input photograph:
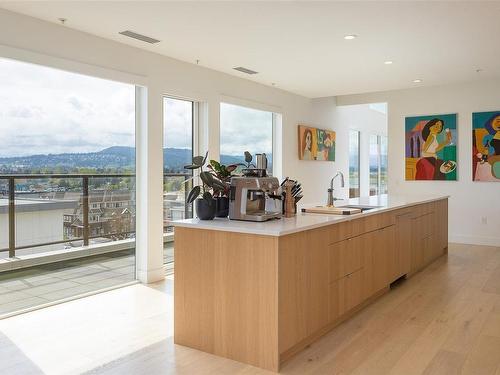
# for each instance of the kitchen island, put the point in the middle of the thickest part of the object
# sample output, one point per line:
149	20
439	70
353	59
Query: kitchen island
259	293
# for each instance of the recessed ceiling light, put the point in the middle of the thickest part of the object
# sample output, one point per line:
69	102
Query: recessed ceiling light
388	62
350	37
418	80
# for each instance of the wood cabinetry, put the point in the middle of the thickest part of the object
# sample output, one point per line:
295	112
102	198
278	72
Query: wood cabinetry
261	299
403	229
364	257
303	279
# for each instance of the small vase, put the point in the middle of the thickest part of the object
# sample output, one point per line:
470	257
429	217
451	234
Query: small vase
222	206
205	208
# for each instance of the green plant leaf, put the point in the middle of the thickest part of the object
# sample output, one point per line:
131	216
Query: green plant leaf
208	196
205	159
231	168
193	194
192	166
218	185
207	178
215	164
198	160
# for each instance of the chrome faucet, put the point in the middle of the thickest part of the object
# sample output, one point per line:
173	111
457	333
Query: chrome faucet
331	199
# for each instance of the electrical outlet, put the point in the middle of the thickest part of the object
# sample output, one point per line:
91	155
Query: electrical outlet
484	220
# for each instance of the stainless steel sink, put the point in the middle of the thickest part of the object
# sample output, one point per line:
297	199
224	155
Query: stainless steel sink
361	207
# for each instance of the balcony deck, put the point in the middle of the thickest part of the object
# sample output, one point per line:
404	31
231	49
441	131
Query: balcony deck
35	286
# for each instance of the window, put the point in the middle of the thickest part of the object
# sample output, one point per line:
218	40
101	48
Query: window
245	129
78	132
383	164
178	127
374	164
354	164
378	164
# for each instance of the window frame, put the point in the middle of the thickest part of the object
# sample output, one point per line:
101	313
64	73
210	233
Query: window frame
358	164
379	163
274	127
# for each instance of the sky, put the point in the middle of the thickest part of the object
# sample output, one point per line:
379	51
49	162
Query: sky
245	129
45	110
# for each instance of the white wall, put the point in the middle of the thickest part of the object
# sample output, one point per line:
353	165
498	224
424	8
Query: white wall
469	201
41	42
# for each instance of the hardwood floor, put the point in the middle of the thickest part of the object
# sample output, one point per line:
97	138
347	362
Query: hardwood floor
443	320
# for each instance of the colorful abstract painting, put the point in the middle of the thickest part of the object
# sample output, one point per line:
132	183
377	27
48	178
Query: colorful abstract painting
316	144
430	148
486	146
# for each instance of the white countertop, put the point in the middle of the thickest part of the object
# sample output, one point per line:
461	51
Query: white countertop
305	221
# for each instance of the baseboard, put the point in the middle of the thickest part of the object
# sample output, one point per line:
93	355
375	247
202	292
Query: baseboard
475	240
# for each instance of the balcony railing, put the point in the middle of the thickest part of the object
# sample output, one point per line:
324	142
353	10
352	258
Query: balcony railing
8	190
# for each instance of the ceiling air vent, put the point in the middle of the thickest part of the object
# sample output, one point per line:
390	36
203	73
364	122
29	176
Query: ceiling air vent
141	37
245	70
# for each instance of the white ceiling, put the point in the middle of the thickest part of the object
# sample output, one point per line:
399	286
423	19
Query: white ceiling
299	46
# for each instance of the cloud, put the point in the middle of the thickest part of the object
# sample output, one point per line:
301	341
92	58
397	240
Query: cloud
45	110
244	129
21	112
75	102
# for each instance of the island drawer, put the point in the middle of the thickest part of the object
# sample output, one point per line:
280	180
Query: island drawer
345	257
345	294
371	223
338	232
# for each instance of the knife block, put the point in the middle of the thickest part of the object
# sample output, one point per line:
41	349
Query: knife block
290	207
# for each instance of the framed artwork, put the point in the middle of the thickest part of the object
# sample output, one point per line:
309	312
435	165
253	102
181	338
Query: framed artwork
430	147
486	146
316	144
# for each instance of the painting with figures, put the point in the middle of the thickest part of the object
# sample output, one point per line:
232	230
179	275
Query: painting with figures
430	147
316	144
486	146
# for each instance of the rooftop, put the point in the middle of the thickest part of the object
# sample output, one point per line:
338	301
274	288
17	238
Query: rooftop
35	205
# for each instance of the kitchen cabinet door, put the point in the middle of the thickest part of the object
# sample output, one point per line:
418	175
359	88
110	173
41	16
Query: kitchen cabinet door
317	281
417	244
392	254
381	262
403	242
354	291
346	293
303	286
442	222
345	257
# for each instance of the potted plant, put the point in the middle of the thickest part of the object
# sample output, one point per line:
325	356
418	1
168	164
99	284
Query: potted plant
202	194
223	174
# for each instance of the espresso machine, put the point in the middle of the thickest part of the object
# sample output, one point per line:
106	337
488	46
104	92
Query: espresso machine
254	199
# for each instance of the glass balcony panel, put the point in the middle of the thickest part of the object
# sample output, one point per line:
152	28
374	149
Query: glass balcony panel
43	208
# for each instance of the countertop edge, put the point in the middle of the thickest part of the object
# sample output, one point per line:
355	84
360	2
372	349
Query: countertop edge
275	233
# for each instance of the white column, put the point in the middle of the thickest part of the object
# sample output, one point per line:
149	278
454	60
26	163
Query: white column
212	127
149	199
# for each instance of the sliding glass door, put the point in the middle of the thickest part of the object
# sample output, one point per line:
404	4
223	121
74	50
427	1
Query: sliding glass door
67	184
178	129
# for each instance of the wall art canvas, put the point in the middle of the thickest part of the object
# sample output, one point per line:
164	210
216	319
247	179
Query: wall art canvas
316	144
430	147
486	146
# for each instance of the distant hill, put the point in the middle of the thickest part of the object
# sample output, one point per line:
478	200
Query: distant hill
113	158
